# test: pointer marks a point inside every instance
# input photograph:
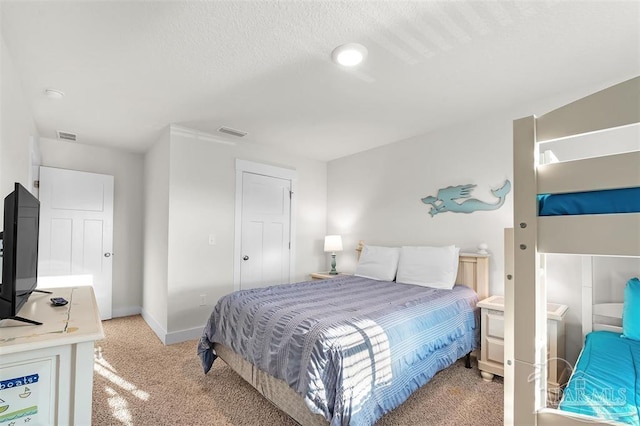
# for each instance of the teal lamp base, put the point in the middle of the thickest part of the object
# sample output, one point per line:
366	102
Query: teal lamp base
333	265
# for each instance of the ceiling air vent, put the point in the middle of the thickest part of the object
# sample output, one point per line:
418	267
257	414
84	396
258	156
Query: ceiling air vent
66	136
232	132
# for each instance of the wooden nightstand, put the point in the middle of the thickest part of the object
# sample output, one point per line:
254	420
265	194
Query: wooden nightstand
325	275
491	360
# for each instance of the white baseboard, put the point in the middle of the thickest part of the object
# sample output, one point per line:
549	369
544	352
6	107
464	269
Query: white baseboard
183	335
126	311
175	336
155	326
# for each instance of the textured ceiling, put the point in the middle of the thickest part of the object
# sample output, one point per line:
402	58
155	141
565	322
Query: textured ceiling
130	68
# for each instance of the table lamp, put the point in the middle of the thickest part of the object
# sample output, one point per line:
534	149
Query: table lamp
333	243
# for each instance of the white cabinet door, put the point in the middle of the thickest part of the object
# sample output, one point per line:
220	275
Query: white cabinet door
76	232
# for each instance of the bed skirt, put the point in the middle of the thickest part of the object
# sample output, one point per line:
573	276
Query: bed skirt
275	390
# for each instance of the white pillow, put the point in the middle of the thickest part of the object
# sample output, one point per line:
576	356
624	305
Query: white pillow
378	263
435	267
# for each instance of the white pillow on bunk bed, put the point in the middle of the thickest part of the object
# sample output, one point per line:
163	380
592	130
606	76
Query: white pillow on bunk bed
378	263
631	310
435	267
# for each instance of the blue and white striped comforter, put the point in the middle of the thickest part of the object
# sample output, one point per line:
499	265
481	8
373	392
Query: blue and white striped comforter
352	347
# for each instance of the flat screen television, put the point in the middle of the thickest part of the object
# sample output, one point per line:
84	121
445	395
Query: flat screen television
19	252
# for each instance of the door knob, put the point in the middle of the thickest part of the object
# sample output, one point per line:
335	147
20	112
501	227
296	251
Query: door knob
107	254
245	257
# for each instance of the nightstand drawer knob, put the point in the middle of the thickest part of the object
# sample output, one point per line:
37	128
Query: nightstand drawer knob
245	257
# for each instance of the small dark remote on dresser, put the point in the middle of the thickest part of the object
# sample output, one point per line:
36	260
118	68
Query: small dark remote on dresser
59	301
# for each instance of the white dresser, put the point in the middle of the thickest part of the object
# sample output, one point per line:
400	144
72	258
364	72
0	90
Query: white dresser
46	371
491	361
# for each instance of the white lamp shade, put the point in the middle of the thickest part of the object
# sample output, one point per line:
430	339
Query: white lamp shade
333	243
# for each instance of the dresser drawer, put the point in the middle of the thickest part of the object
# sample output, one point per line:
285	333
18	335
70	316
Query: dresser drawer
495	350
495	324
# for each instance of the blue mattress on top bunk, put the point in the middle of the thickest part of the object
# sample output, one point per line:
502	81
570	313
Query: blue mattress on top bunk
626	200
605	382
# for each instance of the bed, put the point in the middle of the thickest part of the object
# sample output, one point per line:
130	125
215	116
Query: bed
599	387
605	383
587	232
611	201
332	356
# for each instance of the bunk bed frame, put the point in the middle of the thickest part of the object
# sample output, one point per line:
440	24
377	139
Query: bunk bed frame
604	234
593	314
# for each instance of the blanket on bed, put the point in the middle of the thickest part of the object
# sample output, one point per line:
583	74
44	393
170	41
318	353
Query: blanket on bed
606	381
352	347
609	201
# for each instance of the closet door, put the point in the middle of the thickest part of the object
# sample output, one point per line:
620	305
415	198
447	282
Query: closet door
265	231
264	226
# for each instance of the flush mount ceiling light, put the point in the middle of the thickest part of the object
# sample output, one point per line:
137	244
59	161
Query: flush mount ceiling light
349	55
54	94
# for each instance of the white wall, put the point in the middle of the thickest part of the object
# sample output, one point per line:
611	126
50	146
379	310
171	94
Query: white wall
202	202
156	235
376	195
610	274
18	133
127	170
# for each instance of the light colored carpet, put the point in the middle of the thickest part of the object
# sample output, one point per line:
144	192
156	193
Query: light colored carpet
139	381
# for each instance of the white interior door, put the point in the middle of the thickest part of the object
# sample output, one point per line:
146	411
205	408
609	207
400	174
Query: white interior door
266	216
76	232
264	225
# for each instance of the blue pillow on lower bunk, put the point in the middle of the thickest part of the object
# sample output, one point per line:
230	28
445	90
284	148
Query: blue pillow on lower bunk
631	310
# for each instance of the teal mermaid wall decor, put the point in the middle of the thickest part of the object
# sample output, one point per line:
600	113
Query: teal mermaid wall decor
444	201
